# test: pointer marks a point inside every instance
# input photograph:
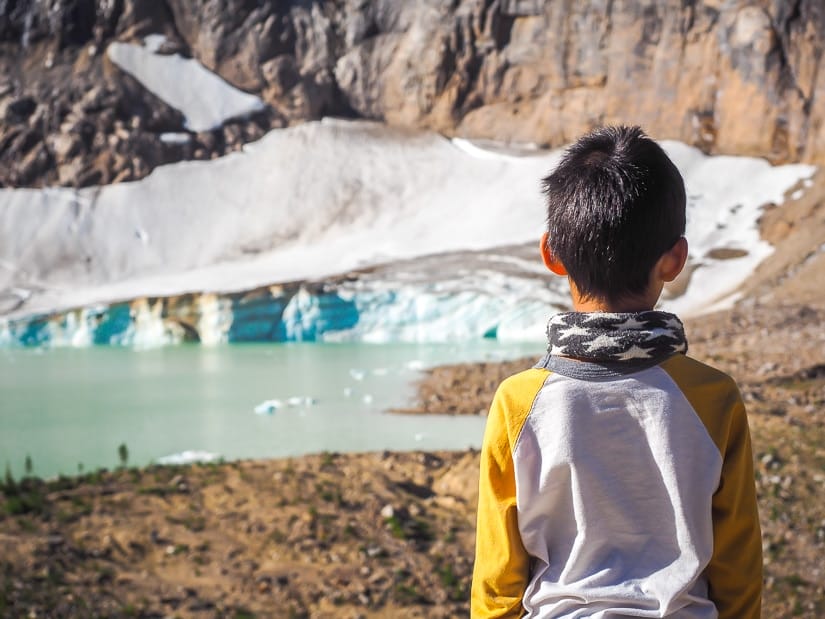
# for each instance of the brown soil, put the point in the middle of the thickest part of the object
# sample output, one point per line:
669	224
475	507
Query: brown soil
371	535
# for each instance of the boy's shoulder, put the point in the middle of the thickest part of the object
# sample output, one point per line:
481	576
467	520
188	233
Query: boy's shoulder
689	373
713	396
514	400
529	380
705	387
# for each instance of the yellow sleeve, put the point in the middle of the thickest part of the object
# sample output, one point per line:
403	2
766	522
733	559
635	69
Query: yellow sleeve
735	570
502	565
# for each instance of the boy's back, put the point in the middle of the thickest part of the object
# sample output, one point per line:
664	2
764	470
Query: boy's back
616	475
615	482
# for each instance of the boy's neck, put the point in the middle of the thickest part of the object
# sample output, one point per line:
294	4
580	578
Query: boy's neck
642	303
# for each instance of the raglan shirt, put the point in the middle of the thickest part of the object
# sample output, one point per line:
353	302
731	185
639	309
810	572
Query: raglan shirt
618	495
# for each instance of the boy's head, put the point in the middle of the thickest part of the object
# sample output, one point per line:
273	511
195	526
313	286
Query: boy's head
615	207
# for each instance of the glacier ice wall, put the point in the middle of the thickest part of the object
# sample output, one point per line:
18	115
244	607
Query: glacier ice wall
464	295
332	231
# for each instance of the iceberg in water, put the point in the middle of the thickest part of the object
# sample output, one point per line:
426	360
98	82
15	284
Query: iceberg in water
189	457
267	407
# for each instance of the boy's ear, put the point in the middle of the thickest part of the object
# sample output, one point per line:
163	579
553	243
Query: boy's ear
550	261
671	263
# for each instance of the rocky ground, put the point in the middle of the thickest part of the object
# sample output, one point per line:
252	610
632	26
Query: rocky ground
373	535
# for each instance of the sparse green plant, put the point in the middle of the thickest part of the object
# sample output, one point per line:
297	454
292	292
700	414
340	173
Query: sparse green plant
452	583
180	549
448	577
81	506
396	527
195	524
123	454
408	594
327	459
278	536
26	497
8	481
421	530
795	580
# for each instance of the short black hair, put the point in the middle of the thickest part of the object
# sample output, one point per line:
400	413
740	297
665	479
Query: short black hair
615	204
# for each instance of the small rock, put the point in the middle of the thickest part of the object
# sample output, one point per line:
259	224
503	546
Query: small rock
374	551
177	479
201	605
20	109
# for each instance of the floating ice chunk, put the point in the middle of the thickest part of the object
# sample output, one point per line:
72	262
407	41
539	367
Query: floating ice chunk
415	365
357	374
419	436
189	457
267	407
347	392
301	400
380	371
367	398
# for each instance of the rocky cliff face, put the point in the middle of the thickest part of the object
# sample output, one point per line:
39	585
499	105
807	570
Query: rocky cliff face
732	76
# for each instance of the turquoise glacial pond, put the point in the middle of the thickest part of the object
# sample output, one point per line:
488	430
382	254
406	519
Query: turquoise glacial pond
69	408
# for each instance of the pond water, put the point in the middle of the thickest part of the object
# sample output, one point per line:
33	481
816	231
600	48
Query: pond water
70	409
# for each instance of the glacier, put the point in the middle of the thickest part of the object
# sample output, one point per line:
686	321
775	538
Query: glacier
337	231
432	299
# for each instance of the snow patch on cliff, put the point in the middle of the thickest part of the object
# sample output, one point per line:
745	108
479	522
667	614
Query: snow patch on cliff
205	99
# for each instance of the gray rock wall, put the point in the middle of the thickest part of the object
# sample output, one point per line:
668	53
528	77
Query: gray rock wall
730	76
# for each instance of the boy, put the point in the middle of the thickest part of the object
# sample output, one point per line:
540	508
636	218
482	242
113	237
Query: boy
616	475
